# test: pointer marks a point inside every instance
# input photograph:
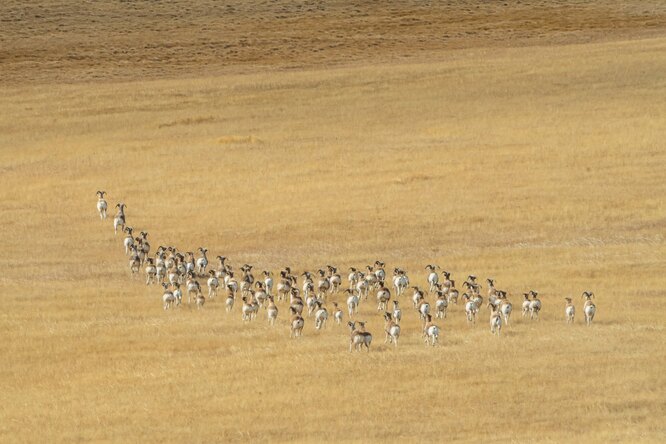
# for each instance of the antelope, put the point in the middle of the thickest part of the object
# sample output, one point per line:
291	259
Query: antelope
139	249
221	270
471	309
284	286
200	299
145	246
119	219
352	303
134	261
397	312
321	315
535	306
569	311
424	309
417	297
202	262
177	293
441	305
452	294
433	277
430	331
311	301
271	311
495	319
526	304
101	204
359	337
505	307
190	265
249	310
151	272
260	294
268	282
128	242
337	313
363	287
370	278
167	298
353	277
160	268
296	324
193	287
334	279
492	291
380	272
231	283
383	297
296	302
392	329
229	303
400	281
212	284
447	279
589	309
323	285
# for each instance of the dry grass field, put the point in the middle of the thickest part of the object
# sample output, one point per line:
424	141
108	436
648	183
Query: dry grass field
527	158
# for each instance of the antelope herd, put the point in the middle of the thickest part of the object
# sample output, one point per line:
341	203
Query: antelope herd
171	268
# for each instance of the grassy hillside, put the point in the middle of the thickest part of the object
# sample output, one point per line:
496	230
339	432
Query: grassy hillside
541	166
68	41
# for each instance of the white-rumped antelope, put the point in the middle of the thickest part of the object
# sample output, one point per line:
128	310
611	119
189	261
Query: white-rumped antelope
337	313
569	311
296	324
359	337
119	218
589	309
392	329
101	204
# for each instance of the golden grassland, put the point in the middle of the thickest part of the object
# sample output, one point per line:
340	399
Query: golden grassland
542	167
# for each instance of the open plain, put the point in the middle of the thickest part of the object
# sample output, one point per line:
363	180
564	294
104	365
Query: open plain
529	145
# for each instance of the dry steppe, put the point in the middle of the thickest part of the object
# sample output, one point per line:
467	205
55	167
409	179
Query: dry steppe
528	145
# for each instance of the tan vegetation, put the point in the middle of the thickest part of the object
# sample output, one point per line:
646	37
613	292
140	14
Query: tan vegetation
539	166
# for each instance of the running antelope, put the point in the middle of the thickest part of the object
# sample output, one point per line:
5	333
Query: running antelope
321	316
168	298
202	262
296	324
337	313
271	311
495	319
212	284
441	305
128	242
471	309
505	307
589	309
151	272
433	277
526	304
569	311
383	297
101	204
397	312
430	331
200	299
119	219
358	337
352	302
392	329
535	306
400	281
